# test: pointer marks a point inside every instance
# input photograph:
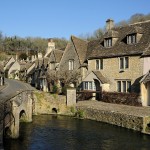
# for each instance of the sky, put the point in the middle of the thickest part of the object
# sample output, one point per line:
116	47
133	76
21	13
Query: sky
63	18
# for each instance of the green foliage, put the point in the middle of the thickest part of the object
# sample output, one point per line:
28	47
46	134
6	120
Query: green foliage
60	43
55	89
80	114
3	56
64	90
35	44
72	109
23	56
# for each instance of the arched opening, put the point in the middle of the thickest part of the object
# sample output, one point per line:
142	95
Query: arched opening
98	89
54	110
148	128
22	116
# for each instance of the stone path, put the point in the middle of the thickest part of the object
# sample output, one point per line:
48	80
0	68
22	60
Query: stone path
123	109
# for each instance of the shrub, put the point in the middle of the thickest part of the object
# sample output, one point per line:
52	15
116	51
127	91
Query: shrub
80	114
64	90
121	98
55	89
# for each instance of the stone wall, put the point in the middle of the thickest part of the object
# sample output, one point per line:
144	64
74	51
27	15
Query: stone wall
124	120
69	54
46	103
112	72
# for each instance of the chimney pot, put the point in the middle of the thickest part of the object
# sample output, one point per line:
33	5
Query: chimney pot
109	24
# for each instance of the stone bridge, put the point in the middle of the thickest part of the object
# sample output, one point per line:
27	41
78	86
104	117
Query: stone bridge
16	102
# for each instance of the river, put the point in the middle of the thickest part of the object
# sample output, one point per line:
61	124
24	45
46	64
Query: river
48	132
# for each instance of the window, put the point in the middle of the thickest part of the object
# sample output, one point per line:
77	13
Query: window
108	42
99	64
71	64
52	66
124	86
131	39
123	63
88	85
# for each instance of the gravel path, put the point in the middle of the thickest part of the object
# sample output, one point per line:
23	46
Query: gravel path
124	109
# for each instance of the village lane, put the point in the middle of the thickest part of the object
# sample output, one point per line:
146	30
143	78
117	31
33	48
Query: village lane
12	87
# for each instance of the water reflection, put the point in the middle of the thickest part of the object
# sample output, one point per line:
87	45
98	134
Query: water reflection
65	133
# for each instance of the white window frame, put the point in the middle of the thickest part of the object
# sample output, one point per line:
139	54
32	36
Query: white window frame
108	42
131	39
71	64
124	88
99	64
125	62
88	85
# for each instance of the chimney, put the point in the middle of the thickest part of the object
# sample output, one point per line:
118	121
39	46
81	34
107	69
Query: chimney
109	24
51	46
16	57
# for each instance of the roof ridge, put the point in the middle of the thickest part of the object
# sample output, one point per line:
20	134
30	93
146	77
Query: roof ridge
72	36
139	22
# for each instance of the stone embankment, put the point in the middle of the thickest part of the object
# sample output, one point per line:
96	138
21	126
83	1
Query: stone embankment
136	118
47	103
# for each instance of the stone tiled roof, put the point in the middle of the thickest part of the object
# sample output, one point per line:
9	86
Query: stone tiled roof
147	51
81	48
41	61
146	78
111	33
101	77
57	54
8	67
96	48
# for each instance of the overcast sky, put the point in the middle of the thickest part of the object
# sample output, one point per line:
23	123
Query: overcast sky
62	18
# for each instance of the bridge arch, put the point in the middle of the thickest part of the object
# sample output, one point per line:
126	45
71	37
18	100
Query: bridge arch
22	115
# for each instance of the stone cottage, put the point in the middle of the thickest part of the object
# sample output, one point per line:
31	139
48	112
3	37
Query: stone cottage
74	60
119	57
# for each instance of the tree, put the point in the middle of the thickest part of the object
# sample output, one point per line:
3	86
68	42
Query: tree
137	18
69	77
23	56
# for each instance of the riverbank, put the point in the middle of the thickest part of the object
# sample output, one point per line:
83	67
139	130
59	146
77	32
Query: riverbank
131	117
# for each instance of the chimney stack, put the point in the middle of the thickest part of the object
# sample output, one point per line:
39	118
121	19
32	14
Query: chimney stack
109	24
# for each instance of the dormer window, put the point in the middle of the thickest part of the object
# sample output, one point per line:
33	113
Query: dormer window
108	42
131	39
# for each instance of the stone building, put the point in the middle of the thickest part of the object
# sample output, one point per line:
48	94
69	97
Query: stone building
121	57
74	58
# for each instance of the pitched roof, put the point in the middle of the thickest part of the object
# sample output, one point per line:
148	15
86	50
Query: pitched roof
147	51
41	61
101	77
57	54
146	78
121	48
81	48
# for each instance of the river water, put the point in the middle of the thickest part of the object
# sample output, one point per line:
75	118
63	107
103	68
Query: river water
48	132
